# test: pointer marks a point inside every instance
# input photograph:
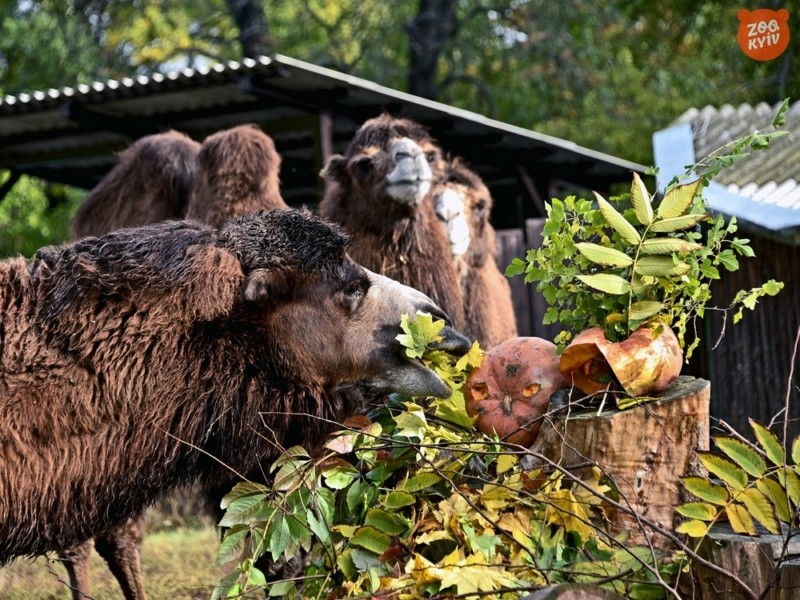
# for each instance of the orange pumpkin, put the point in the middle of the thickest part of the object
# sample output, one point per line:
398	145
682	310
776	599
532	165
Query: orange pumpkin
647	362
509	393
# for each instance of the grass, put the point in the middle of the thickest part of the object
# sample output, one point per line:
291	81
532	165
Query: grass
179	564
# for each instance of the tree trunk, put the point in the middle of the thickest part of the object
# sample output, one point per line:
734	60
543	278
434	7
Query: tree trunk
427	34
644	450
763	563
253	28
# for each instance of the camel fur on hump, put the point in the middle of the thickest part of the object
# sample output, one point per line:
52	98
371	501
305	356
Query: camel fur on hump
151	182
463	204
238	173
121	356
379	191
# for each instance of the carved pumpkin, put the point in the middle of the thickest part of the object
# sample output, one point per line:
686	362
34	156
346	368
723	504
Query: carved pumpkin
644	363
509	393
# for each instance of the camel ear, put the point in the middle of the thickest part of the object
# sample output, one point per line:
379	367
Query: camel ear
265	284
335	169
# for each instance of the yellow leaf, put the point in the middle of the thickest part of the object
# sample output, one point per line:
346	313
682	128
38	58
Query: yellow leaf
668	246
705	490
640	198
776	494
506	462
695	529
603	255
724	469
678	200
740	519
617	221
606	282
760	508
677	223
471	359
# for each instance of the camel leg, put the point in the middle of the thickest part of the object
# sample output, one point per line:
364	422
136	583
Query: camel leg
76	561
120	546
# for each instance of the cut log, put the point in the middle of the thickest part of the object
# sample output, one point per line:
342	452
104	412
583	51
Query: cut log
756	561
573	591
644	450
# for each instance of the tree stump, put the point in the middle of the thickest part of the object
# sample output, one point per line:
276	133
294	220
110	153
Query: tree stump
644	450
756	561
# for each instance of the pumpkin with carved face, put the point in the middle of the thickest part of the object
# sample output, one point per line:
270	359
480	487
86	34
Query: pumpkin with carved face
510	392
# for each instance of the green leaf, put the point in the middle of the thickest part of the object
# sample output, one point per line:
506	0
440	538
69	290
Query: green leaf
742	454
777	495
385	522
759	507
796	450
695	529
516	267
421	481
606	282
640	311
232	544
725	469
619	223
243	488
241	509
640	198
293	454
371	539
278	536
677	201
419	333
705	490
772	287
769	442
603	255
665	245
395	499
701	511
740	519
677	223
780	115
660	266
341	475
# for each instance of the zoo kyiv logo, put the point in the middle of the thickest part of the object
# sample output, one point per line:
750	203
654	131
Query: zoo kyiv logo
763	33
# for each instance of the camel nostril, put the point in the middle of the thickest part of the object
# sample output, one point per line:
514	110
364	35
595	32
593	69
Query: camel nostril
438	313
402	155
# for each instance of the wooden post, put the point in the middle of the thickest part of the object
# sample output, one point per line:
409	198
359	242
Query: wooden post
755	561
644	450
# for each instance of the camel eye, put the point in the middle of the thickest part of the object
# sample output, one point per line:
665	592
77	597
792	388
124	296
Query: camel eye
430	156
363	167
355	291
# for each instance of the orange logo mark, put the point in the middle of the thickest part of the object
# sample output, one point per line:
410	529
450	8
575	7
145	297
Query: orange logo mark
763	33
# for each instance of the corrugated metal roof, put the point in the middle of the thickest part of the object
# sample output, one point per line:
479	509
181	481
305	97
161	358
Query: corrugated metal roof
762	190
771	177
71	134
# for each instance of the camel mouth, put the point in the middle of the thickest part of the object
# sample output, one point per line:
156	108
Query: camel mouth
409	191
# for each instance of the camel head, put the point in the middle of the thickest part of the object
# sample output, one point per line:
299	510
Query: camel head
392	162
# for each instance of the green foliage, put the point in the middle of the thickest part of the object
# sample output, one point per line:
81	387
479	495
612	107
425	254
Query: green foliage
28	220
411	501
748	483
618	265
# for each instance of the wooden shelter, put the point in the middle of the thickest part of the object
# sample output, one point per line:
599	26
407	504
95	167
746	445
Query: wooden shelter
70	135
750	368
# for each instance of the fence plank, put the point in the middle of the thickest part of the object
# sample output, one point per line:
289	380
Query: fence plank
511	244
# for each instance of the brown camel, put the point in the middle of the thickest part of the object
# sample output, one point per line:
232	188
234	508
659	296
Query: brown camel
464	204
379	191
151	182
156	347
234	172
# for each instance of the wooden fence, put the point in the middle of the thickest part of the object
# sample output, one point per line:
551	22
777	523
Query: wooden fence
749	370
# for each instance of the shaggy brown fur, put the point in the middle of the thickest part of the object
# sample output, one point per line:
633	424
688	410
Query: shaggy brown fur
121	355
151	182
376	192
488	305
238	174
